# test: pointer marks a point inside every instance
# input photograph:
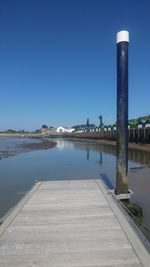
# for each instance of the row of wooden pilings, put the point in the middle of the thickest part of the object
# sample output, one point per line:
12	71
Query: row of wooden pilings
136	135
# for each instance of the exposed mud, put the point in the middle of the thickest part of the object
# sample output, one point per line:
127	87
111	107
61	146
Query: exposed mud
27	147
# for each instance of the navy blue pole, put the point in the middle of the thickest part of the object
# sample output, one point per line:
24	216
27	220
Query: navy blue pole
87	125
101	121
122	113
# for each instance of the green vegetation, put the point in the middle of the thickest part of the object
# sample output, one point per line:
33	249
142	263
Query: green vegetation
133	122
83	127
135	210
44	126
11	131
38	131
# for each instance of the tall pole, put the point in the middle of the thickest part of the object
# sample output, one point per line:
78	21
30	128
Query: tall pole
100	121
122	113
87	125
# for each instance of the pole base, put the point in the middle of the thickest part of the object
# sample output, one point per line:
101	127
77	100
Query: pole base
122	196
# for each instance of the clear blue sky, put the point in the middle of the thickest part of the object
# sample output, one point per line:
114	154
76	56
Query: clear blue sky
58	61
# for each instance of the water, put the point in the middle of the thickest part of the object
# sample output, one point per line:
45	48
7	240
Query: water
68	160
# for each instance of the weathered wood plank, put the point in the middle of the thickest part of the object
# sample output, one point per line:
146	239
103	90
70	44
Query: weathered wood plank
66	223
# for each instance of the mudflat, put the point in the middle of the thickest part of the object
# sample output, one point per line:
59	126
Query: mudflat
27	147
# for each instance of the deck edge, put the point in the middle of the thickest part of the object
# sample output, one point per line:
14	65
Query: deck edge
10	216
130	232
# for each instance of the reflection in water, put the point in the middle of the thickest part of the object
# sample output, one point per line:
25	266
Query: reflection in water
107	181
72	160
139	156
60	144
139	177
140	184
135	155
100	158
88	152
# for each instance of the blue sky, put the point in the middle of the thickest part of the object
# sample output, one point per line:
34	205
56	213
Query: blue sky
58	61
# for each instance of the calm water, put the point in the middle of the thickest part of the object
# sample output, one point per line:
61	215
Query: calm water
68	160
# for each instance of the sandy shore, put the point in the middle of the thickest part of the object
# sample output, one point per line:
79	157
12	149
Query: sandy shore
22	148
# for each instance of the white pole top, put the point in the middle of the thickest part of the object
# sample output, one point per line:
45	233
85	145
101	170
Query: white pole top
123	36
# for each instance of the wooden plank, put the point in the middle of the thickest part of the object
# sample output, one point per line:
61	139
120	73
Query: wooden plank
66	223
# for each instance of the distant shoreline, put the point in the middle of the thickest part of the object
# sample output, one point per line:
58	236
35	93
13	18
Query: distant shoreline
47	144
24	135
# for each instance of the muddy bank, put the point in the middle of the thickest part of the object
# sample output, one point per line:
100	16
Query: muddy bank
45	144
138	146
27	147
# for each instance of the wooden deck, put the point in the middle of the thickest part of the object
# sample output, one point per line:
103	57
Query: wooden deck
66	224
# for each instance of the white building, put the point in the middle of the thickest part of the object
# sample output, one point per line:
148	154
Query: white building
64	130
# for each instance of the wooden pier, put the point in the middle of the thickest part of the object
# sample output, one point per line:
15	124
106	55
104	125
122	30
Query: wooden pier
135	135
69	224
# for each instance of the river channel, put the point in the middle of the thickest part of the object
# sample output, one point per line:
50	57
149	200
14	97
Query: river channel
71	160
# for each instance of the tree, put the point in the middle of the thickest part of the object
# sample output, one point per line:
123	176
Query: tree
44	126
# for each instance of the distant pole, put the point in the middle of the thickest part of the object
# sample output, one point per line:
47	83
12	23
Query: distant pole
100	121
87	124
122	113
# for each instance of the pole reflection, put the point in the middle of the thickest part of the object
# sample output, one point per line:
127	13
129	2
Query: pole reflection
135	155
